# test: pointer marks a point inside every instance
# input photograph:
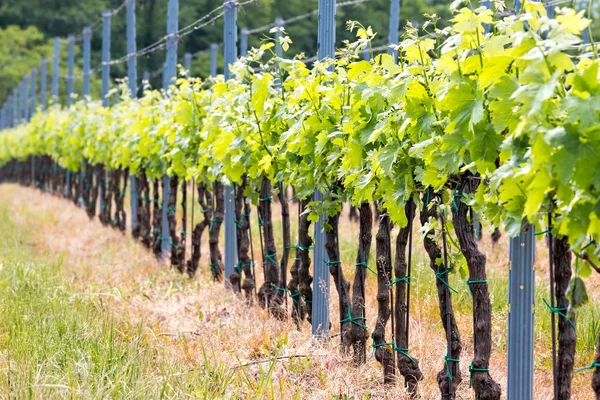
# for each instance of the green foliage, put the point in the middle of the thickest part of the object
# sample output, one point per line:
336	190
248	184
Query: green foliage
513	108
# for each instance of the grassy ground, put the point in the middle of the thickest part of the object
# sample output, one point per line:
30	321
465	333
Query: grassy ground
87	312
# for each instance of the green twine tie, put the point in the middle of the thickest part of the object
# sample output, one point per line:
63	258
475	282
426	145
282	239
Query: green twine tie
470	282
375	346
270	258
171	210
447	360
354	321
591	242
260	221
405	279
439	276
542	232
213	267
285	290
475	369
328	263
364	264
298	247
294	296
404	352
455	195
559	311
213	221
593	365
266	198
297	259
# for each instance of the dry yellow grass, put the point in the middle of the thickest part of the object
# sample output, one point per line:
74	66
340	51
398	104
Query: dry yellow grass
190	318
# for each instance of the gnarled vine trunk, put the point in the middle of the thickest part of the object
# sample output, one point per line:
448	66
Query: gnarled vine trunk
408	366
447	386
270	294
205	201
567	336
355	335
155	233
214	231
337	273
286	234
176	249
384	278
596	373
300	282
143	208
484	386
91	186
244	266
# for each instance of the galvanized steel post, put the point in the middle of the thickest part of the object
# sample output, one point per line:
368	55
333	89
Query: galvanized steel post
56	64
244	42
71	69
133	91
213	59
394	26
87	37
33	95
187	64
320	309
106	17
168	76
521	299
25	98
15	97
230	54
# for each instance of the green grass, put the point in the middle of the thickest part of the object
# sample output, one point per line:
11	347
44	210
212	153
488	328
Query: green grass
57	342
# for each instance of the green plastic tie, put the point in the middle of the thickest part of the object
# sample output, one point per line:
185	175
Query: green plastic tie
447	360
171	210
270	258
294	296
211	223
213	267
266	198
204	211
593	365
469	282
297	259
440	277
260	221
285	290
405	279
542	232
183	233
475	369
352	320
455	195
173	245
364	264
559	311
404	352
328	263
591	242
